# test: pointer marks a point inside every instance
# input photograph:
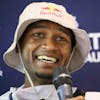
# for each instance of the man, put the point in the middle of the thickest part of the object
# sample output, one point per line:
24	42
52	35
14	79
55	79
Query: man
47	38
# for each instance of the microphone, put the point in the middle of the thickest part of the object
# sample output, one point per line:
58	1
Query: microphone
63	83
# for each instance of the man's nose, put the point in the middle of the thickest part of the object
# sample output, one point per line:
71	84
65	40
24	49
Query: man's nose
49	44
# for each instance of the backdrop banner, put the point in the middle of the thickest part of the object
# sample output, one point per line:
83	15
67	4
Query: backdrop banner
87	13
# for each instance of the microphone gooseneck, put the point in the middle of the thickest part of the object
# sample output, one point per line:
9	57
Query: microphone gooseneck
63	83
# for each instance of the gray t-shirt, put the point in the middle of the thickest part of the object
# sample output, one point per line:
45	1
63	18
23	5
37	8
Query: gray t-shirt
47	92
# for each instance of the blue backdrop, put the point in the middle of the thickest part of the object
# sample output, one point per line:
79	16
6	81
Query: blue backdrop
88	16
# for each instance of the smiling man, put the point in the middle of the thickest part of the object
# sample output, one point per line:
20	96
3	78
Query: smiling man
47	37
45	45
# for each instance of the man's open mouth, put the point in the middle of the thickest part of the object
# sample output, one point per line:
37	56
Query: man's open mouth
47	59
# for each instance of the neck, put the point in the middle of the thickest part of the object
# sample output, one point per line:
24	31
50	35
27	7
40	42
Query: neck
37	81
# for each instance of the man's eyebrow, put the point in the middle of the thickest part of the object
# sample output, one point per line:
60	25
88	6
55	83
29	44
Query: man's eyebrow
65	30
37	26
34	26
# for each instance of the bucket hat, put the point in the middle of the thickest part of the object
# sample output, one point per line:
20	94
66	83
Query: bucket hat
55	13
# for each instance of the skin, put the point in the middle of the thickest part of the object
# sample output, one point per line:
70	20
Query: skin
77	98
45	38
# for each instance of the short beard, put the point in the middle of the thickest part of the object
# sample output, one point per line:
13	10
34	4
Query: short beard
43	76
40	78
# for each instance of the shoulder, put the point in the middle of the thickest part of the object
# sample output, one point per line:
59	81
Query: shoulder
6	95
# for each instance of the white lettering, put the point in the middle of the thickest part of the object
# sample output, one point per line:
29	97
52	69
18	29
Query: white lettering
1	73
94	57
95	40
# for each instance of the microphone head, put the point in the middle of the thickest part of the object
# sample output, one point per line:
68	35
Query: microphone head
61	77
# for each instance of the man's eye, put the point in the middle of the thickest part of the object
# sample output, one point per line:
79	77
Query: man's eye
41	35
60	39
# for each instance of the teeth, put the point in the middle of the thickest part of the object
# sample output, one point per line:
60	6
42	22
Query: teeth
47	59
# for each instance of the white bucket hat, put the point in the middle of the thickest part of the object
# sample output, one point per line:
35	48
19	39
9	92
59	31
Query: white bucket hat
55	13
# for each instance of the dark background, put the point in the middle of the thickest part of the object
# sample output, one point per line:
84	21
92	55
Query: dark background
88	16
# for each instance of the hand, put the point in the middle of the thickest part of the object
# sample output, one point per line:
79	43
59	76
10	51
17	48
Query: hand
77	98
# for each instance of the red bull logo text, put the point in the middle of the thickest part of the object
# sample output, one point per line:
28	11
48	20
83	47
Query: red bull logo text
51	10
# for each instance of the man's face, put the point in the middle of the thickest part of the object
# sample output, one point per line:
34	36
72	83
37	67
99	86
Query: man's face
45	46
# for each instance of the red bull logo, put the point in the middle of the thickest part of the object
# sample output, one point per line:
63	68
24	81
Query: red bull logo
51	10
